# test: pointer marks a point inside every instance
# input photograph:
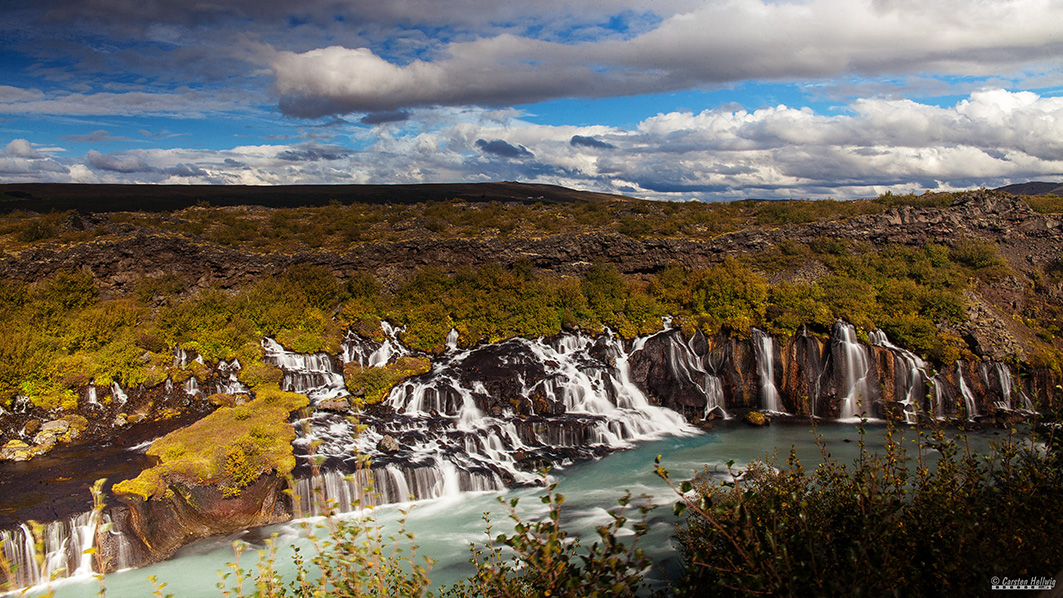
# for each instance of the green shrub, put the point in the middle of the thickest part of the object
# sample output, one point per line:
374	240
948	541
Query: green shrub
878	525
731	294
980	256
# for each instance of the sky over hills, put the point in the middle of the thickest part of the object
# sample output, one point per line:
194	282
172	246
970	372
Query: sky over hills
666	99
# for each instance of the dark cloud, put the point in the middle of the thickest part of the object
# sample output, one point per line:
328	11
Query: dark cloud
379	118
582	141
314	153
186	170
117	162
503	149
93	137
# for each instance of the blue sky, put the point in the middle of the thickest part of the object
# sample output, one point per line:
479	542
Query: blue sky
670	99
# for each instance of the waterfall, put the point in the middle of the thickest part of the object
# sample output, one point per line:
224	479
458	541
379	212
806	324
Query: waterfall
452	340
484	419
764	351
1001	374
939	397
65	545
369	353
90	396
855	367
228	381
684	363
910	374
182	357
713	396
120	397
965	392
192	386
311	374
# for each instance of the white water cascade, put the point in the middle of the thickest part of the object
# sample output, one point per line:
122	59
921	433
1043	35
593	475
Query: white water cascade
228	381
684	364
65	550
119	395
1011	396
764	350
482	419
855	394
910	374
713	396
965	392
311	374
368	353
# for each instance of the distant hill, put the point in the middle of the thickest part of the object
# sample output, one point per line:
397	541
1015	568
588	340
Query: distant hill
44	197
1034	188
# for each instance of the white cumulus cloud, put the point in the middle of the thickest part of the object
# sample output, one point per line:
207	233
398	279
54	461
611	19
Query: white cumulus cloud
714	44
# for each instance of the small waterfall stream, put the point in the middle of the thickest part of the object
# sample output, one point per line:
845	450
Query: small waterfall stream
855	392
764	350
969	405
910	374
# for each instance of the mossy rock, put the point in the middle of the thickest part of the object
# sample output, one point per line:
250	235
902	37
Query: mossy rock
374	384
229	448
757	418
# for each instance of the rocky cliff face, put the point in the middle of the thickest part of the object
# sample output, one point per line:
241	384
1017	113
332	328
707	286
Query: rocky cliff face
826	377
152	530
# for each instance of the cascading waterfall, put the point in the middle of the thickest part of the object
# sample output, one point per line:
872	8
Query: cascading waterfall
228	381
119	395
910	374
182	357
684	363
856	392
369	353
939	396
764	351
312	374
192	386
965	392
481	420
1010	393
713	396
65	545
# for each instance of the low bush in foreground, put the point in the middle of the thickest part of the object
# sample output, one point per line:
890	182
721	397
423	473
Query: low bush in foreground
877	527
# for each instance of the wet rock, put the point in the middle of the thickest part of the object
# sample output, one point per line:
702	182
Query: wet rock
45	440
16	450
32	427
388	444
336	405
56	427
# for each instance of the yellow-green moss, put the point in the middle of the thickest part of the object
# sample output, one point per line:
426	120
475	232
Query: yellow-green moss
373	384
229	448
